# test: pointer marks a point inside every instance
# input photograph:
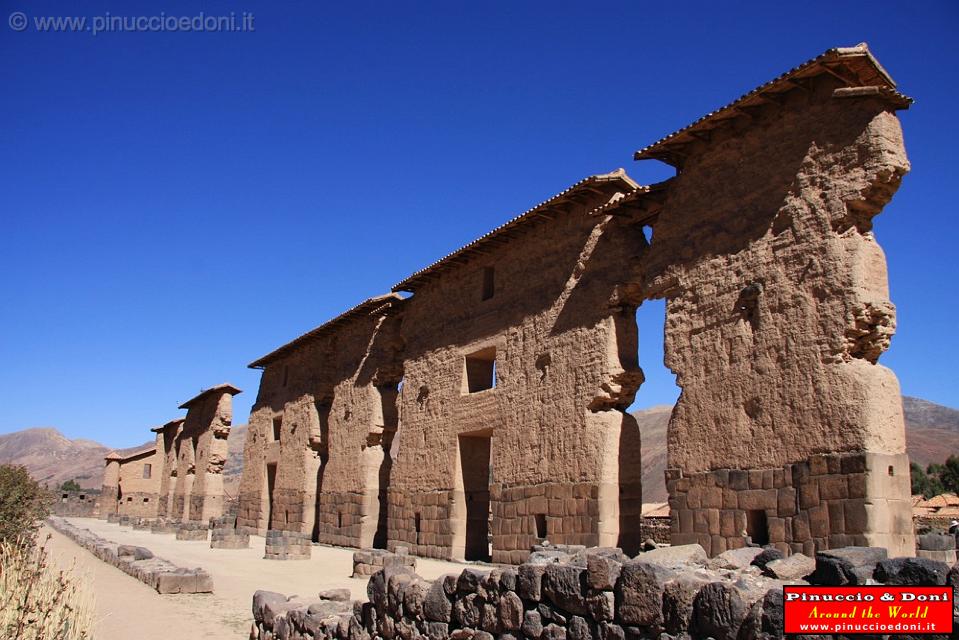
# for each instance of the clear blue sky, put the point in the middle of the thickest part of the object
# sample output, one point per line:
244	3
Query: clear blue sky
175	205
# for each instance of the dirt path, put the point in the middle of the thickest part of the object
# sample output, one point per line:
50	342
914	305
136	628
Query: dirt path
128	609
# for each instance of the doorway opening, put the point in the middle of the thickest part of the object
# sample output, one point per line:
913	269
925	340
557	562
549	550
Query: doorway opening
757	527
317	506
474	450
270	484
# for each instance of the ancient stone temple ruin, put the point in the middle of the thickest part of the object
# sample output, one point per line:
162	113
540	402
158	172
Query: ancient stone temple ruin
485	412
130	483
180	477
317	455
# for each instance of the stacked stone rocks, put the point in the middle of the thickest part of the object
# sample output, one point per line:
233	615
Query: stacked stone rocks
226	535
368	561
192	531
287	545
163	525
937	546
139	562
591	594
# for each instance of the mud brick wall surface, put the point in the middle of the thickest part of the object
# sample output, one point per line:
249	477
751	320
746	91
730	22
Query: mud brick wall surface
565	368
330	397
778	306
83	504
518	356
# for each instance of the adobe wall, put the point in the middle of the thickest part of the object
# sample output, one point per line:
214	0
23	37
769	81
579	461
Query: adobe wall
201	450
107	502
167	443
332	396
80	504
777	312
561	445
138	494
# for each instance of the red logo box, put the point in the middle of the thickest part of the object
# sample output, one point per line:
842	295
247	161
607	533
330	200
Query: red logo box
867	610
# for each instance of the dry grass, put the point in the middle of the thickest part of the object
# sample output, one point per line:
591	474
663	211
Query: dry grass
38	602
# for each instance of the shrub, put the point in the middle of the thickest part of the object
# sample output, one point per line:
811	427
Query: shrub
37	602
23	504
70	485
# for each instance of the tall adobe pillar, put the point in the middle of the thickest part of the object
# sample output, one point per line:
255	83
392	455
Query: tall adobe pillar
788	429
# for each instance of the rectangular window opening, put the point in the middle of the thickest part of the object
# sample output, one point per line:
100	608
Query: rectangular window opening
488	283
481	370
277	428
540	525
416	527
82	497
756	526
147	471
146	500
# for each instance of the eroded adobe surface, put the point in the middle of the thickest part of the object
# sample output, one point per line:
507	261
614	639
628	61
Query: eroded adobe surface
180	478
317	455
485	412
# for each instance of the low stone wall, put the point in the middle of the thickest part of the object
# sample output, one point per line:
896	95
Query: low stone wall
656	529
162	525
139	562
287	545
368	561
819	504
192	531
78	504
591	594
226	535
937	546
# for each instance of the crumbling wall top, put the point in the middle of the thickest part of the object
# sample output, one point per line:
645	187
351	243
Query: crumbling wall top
855	67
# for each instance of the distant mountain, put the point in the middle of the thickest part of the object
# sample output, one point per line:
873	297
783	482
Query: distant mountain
52	458
932	430
932	435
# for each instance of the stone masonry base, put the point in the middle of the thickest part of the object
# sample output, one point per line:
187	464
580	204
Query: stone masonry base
287	545
139	562
826	502
368	561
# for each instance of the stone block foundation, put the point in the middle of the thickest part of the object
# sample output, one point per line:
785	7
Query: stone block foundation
192	531
369	561
139	562
287	545
829	501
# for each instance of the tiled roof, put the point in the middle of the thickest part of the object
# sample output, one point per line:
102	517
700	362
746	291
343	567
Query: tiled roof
127	454
367	307
608	184
220	388
854	66
162	427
